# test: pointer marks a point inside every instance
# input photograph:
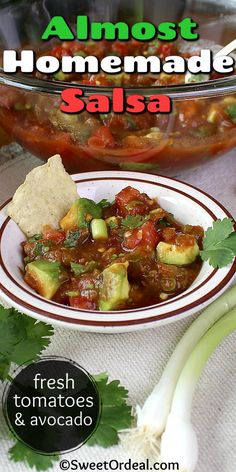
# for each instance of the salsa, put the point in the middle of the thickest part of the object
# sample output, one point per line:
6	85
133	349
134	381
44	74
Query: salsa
196	130
123	255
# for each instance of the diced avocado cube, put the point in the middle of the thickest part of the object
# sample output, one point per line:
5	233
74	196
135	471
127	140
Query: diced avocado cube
115	287
45	277
80	214
177	255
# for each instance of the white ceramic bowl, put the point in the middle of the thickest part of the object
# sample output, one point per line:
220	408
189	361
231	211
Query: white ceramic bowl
189	205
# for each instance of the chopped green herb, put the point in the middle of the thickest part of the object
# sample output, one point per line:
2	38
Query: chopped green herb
134	221
22	338
80	269
72	294
40	249
139	166
112	224
231	111
90	286
72	239
219	243
34	238
163	223
201	132
116	413
21	453
104	116
104	203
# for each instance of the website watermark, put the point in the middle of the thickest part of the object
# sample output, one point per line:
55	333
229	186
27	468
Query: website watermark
114	464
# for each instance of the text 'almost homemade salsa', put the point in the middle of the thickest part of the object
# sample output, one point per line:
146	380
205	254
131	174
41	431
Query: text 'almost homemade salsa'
194	131
123	255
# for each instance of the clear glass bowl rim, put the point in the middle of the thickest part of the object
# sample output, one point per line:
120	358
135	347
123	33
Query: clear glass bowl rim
212	88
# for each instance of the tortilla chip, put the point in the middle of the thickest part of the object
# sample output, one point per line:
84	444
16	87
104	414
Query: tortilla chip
44	198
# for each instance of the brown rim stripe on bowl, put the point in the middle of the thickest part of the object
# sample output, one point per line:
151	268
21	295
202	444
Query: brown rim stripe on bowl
154	318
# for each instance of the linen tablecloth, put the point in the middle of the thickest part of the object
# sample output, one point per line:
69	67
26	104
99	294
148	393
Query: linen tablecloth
137	358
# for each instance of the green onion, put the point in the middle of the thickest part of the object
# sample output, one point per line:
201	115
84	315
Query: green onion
72	293
99	229
152	417
179	441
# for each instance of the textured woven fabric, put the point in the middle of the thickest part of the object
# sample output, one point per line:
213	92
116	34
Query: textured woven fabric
137	358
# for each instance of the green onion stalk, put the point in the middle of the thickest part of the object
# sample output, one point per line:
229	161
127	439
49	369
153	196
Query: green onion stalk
144	439
179	441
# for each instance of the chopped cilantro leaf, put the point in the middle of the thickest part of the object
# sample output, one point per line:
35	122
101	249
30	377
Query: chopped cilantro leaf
104	203
36	237
219	231
40	249
116	413
79	269
231	111
219	243
163	223
21	453
22	339
135	221
72	238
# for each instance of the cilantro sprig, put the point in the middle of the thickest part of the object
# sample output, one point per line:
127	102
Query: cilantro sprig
72	239
116	413
219	243
104	203
134	221
22	340
80	269
21	453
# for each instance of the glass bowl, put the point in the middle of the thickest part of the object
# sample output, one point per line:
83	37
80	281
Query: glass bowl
199	127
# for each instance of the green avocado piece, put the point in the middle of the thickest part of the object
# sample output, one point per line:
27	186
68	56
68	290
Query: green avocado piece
177	255
115	287
45	277
81	212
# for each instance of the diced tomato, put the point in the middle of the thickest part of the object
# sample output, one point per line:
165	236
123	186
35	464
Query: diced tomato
132	239
131	202
121	48
169	235
60	51
166	49
102	138
54	235
82	303
145	236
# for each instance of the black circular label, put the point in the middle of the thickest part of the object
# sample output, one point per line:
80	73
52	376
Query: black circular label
52	406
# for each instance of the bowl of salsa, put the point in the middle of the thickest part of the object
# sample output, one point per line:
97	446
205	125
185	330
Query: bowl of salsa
200	127
125	256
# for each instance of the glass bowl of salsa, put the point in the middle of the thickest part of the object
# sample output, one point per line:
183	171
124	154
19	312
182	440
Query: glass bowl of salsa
200	127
